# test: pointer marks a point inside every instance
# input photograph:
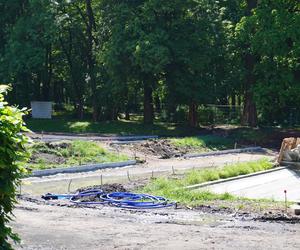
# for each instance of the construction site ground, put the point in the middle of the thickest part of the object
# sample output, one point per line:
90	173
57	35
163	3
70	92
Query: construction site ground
53	227
212	226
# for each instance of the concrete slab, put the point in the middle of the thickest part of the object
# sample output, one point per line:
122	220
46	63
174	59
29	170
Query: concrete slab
264	186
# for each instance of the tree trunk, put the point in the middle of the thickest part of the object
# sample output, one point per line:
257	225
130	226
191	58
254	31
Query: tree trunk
80	109
193	115
157	104
249	116
77	86
90	56
127	113
233	100
249	113
148	103
47	74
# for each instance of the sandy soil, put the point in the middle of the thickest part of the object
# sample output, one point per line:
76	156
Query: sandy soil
52	227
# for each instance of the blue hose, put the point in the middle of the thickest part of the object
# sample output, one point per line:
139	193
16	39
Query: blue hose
91	192
131	200
117	199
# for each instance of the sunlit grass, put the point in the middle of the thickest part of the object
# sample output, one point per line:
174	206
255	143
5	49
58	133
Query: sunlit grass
120	127
78	153
203	143
174	189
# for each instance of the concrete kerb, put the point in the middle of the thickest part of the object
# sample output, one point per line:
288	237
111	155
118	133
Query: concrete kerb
125	142
82	168
210	183
223	152
57	137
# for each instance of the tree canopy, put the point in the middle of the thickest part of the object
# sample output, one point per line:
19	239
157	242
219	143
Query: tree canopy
108	58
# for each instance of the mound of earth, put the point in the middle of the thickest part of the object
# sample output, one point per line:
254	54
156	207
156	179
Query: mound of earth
107	188
47	158
161	148
48	152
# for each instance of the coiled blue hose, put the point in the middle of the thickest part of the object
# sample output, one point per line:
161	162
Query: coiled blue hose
117	199
131	200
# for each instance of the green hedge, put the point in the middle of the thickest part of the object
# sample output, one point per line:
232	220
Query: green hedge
12	152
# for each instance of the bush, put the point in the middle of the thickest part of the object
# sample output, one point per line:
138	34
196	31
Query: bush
12	152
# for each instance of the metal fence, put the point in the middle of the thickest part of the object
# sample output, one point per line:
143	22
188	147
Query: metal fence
219	114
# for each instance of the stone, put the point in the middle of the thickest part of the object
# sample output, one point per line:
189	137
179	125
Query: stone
295	209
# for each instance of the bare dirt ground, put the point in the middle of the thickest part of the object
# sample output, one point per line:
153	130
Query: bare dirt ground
44	226
52	227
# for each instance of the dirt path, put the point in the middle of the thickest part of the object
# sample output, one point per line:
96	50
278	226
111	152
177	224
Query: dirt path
50	227
156	167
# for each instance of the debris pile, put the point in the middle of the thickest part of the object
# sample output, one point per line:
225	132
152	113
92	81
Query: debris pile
161	148
107	188
49	152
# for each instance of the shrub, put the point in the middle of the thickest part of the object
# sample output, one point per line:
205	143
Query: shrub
12	152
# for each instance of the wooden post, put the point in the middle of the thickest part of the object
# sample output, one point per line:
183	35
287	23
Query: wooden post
128	175
69	186
173	170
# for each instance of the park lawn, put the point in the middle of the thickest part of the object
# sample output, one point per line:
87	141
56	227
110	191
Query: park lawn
174	189
221	139
69	153
120	127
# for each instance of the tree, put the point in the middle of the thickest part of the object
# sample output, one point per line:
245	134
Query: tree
28	52
270	38
244	34
12	151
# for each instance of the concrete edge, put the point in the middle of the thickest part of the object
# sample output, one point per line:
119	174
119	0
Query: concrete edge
54	137
232	178
82	168
125	142
223	152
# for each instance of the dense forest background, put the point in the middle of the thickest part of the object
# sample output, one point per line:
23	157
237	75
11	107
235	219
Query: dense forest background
173	59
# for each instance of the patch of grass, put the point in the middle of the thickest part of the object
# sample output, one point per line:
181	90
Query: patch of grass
204	143
174	188
75	153
201	176
120	127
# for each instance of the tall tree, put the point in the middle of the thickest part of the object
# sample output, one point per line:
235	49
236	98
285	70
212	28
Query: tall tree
28	52
249	116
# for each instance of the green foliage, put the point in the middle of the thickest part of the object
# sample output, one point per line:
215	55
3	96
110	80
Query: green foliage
12	151
202	143
271	35
200	176
116	57
174	188
73	153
